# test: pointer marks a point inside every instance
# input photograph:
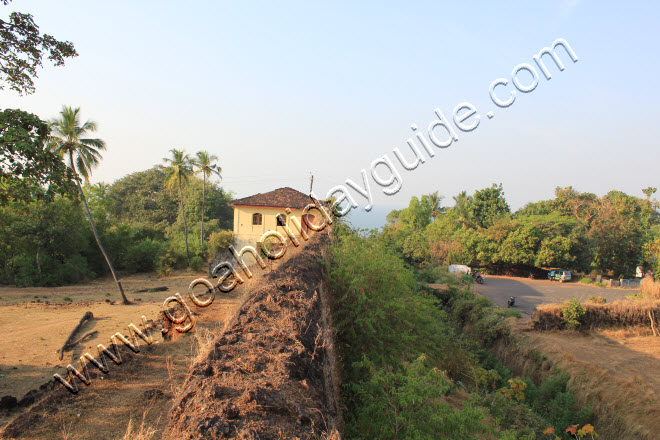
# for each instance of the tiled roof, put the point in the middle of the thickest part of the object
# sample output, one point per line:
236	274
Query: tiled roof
279	198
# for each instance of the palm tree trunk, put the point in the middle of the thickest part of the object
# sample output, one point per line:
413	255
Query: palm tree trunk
38	261
201	241
125	300
185	224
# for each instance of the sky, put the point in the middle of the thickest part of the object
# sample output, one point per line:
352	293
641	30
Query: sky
280	91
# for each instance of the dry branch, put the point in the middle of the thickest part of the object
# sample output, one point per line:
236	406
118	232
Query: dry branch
652	318
68	343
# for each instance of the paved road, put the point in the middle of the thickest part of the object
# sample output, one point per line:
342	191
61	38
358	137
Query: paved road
531	293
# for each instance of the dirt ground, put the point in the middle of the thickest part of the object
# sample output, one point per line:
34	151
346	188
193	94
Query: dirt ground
144	383
35	331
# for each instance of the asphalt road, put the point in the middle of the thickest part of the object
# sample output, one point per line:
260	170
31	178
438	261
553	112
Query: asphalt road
531	293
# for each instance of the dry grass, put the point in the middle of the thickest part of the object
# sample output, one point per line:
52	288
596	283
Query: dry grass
614	377
623	313
142	432
650	288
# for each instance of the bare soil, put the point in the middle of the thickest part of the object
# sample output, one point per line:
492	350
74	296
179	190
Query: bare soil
140	390
34	330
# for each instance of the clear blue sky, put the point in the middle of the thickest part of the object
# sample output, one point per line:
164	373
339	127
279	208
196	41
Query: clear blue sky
281	89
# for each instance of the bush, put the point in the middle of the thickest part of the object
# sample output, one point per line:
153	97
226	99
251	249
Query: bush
597	299
599	284
572	313
410	404
394	340
166	263
650	287
586	280
196	263
467	278
143	256
513	312
218	241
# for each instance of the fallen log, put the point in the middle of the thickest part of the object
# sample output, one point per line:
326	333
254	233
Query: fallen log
153	289
69	341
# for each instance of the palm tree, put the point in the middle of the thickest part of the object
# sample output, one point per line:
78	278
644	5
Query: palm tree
435	200
68	139
207	168
178	170
463	202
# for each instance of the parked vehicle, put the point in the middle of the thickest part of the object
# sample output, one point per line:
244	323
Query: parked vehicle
459	268
477	277
559	275
511	302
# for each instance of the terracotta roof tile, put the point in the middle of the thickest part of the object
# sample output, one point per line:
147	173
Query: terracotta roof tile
280	198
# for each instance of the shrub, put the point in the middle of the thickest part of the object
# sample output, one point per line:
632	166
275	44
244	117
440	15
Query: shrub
572	313
410	404
586	280
513	312
166	263
143	256
650	287
218	241
597	299
196	263
599	284
66	298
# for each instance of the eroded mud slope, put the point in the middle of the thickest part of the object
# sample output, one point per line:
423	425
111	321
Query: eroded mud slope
269	376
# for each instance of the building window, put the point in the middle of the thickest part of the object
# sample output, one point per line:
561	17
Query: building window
281	220
256	219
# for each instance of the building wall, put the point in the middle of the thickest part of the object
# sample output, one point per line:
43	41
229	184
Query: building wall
246	234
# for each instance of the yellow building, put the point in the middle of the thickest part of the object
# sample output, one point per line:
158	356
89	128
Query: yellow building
271	211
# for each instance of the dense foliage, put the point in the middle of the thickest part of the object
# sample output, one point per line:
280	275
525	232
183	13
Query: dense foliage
400	354
140	225
415	363
610	235
28	170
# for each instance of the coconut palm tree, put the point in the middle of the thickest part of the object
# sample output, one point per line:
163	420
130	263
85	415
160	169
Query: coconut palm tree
68	138
204	162
178	171
435	200
463	202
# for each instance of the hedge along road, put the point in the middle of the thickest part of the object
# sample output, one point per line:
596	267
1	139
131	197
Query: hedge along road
531	293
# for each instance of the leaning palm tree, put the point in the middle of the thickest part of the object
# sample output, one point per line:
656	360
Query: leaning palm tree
435	200
178	171
68	138
204	162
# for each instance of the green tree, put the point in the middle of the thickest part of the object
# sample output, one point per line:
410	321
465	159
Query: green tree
29	170
68	139
463	208
435	201
98	199
207	168
178	172
489	204
22	49
142	197
649	192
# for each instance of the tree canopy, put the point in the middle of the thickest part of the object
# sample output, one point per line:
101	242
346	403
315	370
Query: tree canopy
28	170
22	50
612	234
